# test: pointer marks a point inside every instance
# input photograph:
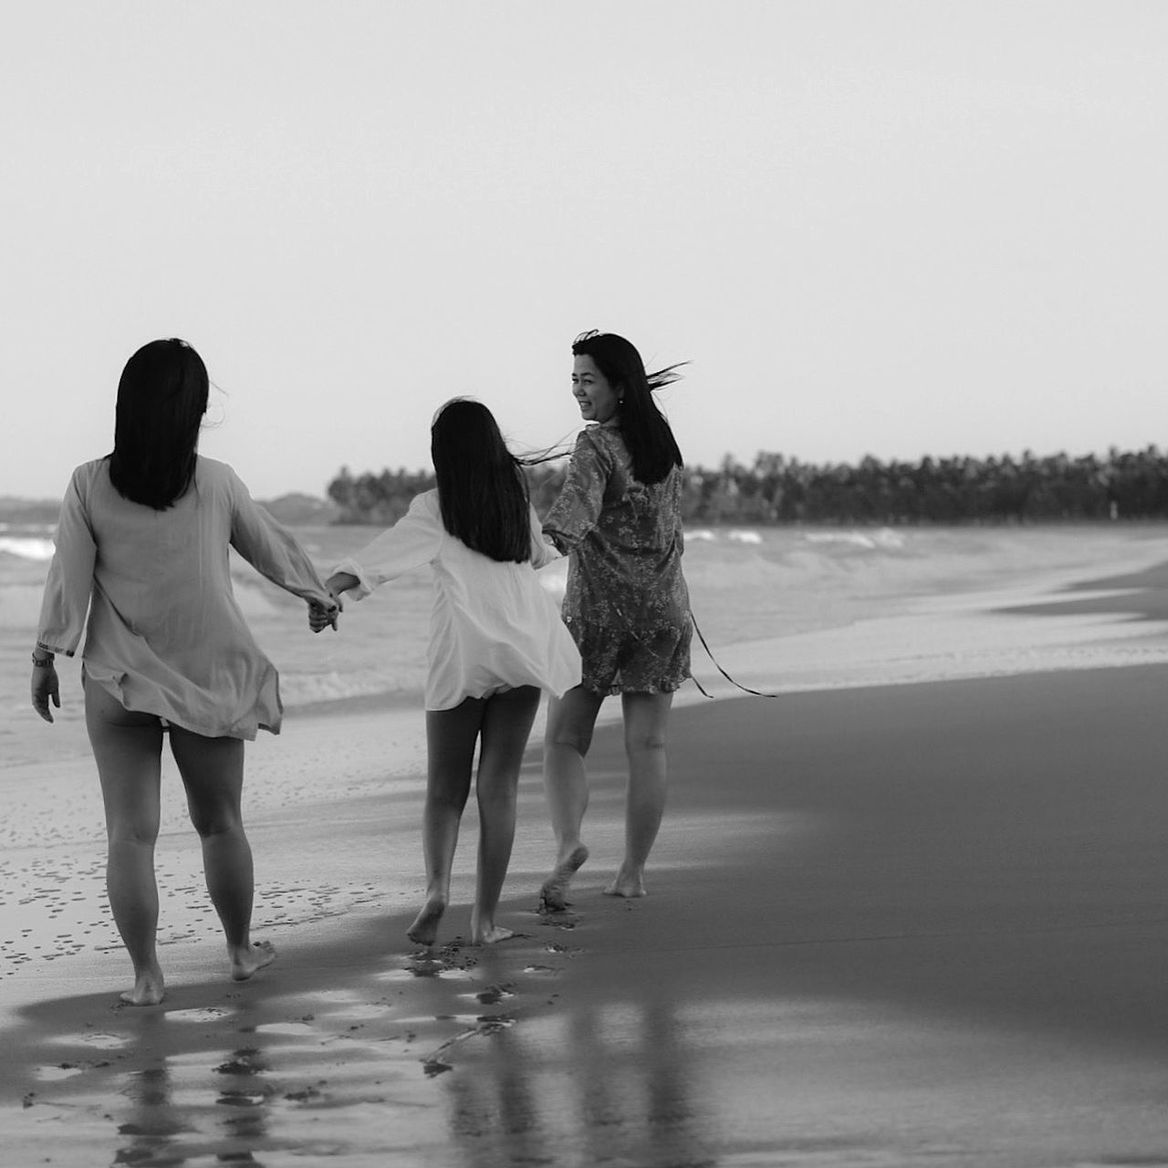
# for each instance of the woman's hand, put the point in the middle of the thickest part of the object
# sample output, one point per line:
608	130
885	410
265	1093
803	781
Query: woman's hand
340	582
45	689
321	617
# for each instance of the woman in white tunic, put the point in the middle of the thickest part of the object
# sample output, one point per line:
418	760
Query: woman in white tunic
496	640
141	568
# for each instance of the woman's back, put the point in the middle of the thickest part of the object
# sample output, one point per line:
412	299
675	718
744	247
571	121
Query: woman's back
642	517
165	634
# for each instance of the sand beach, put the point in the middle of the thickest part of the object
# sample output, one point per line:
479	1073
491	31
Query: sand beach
910	911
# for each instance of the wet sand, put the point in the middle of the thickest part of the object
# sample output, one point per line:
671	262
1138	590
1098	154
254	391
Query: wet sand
895	925
889	925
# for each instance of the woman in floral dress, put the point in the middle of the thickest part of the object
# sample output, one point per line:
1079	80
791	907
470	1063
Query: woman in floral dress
618	518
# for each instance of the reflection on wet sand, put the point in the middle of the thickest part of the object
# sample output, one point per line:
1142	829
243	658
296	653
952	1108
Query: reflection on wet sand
598	1083
150	1122
469	1055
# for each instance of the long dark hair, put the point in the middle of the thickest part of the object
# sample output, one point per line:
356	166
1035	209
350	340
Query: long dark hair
647	435
162	397
482	490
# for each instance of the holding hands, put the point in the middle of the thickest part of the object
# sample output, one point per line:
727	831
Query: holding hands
321	617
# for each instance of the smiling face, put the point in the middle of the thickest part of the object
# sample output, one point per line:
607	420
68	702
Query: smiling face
595	397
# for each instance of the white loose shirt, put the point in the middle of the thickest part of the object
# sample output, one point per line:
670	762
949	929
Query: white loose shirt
164	633
493	626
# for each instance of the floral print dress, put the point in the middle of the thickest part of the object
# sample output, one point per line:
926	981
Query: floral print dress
626	604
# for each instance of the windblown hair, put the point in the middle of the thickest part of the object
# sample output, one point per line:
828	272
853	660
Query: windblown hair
162	397
647	434
482	490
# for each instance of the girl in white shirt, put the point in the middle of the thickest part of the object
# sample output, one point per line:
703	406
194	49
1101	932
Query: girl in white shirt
496	640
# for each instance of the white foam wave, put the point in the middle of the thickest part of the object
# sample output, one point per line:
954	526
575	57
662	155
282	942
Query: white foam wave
27	547
884	538
299	689
744	536
700	535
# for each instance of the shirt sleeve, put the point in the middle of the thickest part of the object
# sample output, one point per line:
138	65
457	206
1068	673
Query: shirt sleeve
412	542
271	549
577	508
69	585
542	551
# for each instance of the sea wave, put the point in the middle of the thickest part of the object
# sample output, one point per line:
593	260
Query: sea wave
27	547
883	539
305	689
736	534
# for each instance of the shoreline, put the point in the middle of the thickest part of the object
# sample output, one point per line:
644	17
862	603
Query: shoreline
953	937
357	749
912	921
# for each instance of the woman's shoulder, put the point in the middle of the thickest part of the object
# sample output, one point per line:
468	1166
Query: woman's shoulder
88	478
220	480
605	441
86	472
211	470
424	512
426	503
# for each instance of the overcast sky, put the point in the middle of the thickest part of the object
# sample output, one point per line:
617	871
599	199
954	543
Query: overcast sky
887	227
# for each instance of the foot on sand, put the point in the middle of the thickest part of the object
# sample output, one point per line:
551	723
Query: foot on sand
249	958
553	893
629	885
149	988
488	934
425	926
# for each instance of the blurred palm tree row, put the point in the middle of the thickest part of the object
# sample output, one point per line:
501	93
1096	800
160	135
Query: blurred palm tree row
780	489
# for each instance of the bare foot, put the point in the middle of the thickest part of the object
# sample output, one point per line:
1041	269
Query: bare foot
481	934
425	926
553	893
248	959
149	988
627	885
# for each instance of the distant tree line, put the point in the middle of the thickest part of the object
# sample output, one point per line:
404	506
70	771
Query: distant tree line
779	489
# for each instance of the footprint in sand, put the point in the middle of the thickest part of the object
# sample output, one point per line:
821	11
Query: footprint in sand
566	950
101	1040
492	995
56	1074
199	1014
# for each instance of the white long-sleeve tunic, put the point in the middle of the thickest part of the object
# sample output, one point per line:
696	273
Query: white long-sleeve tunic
165	634
492	624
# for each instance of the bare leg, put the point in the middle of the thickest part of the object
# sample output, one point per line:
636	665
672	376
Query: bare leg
450	745
646	717
506	726
212	772
571	720
127	748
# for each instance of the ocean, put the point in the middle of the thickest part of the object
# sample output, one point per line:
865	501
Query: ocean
747	585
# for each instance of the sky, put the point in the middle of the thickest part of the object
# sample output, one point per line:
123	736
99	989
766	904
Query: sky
890	227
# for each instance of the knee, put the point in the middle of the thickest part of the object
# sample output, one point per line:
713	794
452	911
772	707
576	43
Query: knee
211	824
644	741
500	798
134	834
569	737
444	799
